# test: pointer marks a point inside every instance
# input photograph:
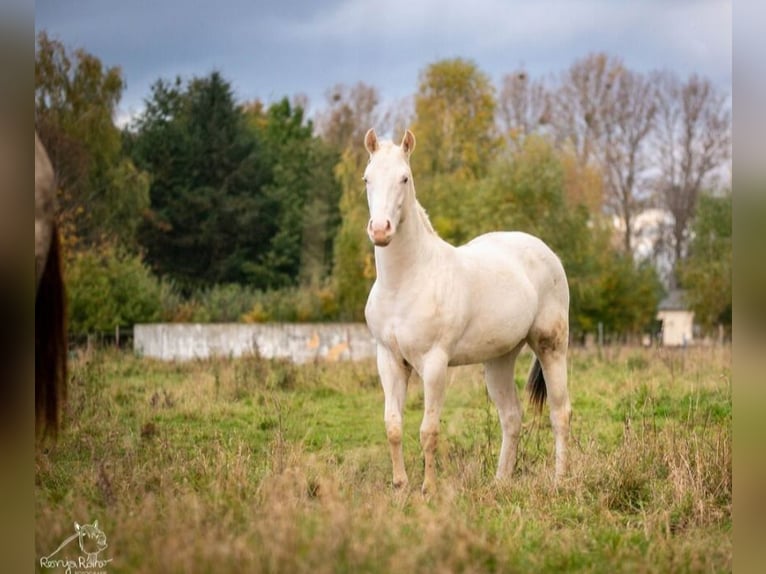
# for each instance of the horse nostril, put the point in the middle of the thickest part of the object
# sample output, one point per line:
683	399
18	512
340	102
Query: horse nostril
388	225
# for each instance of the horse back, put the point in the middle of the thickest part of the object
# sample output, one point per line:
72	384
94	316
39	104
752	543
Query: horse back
522	256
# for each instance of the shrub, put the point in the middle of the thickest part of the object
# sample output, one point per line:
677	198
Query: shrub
222	303
300	304
107	288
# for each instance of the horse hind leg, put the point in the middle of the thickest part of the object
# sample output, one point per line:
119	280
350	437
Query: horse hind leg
498	374
555	371
550	347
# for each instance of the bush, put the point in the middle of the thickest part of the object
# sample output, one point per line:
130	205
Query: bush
221	303
232	303
294	305
107	288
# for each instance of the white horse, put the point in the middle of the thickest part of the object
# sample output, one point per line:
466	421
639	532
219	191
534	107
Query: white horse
434	305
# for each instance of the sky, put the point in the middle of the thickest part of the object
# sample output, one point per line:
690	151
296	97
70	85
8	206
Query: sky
271	49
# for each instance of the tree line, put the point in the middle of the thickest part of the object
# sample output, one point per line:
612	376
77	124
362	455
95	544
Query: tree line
209	208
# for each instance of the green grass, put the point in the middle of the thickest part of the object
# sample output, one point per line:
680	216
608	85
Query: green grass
262	466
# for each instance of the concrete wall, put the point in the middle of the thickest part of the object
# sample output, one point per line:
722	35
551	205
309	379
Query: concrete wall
300	342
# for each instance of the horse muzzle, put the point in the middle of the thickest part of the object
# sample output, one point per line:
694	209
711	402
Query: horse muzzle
380	233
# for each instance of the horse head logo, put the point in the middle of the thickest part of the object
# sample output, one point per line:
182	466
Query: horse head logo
92	539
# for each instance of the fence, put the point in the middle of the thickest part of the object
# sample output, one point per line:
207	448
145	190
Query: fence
121	337
299	342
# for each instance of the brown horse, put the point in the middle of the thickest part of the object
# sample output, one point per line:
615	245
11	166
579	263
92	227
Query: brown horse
50	310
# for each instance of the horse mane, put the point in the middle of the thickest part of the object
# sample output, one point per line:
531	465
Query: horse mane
423	215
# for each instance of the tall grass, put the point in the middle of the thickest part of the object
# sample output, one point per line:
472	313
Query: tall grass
263	466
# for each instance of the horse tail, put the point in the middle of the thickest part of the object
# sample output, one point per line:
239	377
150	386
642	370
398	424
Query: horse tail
536	386
50	342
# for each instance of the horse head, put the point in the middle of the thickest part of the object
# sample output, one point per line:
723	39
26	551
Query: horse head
388	179
92	538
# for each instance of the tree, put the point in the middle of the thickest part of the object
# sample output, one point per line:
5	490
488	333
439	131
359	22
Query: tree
321	214
353	271
240	193
524	107
527	192
707	273
304	195
580	101
693	141
454	112
350	112
454	117
628	119
101	193
191	139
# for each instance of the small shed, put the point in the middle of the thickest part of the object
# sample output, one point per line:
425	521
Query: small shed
677	320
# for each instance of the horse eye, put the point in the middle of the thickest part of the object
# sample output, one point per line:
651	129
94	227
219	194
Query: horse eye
405	179
364	179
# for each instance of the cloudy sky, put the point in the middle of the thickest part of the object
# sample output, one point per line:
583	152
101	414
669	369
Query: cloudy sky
270	49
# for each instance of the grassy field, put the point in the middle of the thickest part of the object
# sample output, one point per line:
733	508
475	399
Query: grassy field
259	466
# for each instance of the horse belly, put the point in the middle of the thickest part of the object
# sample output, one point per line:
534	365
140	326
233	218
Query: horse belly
501	310
484	340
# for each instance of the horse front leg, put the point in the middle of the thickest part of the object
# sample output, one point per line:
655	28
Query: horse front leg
394	374
434	374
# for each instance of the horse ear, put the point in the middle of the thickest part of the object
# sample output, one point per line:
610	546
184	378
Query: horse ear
371	141
95	524
76	527
408	142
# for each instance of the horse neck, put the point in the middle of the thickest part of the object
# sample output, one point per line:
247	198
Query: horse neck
411	249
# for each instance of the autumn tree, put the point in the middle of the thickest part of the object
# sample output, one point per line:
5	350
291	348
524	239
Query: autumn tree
454	112
693	141
526	108
455	126
527	192
354	267
101	193
349	113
